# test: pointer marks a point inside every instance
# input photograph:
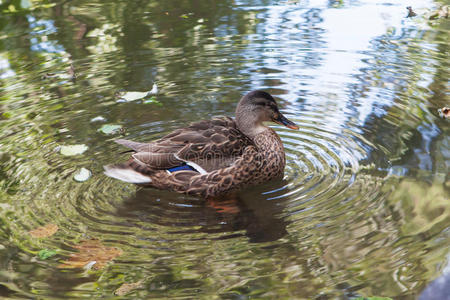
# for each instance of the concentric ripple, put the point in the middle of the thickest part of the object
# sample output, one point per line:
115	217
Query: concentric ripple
323	173
355	199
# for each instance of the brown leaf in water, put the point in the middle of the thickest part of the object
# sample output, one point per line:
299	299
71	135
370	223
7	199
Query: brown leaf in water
128	287
91	251
444	112
44	231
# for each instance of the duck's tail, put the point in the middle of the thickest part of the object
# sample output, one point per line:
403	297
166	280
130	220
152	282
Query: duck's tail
127	173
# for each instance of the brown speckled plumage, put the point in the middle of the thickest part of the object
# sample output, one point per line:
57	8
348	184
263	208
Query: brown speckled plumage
229	154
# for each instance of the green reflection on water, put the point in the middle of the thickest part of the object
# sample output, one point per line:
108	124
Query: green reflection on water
362	211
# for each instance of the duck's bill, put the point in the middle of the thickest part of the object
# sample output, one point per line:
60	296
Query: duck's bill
283	121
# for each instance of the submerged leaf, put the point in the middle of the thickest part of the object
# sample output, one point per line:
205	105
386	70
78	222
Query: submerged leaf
110	128
44	231
25	4
82	175
153	100
128	287
73	149
91	252
46	253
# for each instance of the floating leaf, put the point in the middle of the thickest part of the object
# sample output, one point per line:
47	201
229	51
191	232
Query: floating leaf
128	287
133	96
110	128
46	253
82	175
44	231
91	252
73	149
98	119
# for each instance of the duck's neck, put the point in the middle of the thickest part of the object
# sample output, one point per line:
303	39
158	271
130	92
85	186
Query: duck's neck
248	123
265	138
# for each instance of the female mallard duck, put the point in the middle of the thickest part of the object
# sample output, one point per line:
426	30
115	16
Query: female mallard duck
212	157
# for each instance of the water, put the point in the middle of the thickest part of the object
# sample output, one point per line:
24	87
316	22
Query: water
363	208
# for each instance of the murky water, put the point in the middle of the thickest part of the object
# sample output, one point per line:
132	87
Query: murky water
363	209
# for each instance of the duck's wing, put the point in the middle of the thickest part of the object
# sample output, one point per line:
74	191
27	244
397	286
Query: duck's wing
206	146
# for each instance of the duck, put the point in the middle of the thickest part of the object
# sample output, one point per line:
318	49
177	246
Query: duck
411	13
212	157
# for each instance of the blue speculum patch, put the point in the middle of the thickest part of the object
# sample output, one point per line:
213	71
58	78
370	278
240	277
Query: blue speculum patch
183	167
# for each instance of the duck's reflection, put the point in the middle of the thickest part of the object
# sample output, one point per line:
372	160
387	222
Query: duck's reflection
251	210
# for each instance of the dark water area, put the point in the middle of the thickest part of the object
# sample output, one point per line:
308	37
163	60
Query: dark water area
363	209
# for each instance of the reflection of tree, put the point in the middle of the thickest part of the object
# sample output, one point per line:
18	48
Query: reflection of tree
439	97
153	32
174	51
399	125
404	129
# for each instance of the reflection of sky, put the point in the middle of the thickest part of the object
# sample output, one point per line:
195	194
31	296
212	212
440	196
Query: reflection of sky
40	30
321	50
5	68
348	64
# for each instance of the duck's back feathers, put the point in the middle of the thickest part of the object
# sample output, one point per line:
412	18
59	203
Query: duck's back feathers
130	144
206	145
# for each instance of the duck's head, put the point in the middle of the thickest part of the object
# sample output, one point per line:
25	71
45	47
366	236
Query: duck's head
255	108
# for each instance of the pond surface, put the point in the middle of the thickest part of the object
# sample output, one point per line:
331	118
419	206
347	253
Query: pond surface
362	210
